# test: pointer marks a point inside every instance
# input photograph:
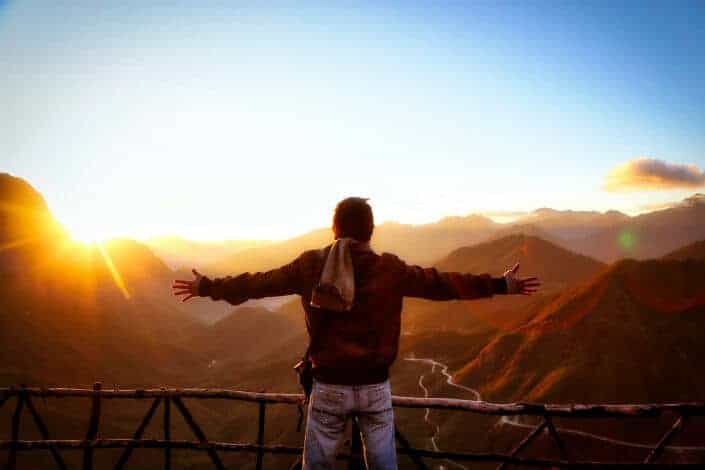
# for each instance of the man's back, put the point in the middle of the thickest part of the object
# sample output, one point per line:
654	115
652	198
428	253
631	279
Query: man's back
358	346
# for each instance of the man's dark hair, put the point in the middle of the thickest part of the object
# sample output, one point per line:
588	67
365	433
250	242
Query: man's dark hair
353	218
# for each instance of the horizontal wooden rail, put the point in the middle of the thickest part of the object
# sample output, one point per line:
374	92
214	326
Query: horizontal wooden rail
277	449
169	396
482	407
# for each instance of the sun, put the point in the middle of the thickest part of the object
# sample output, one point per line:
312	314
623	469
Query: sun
88	234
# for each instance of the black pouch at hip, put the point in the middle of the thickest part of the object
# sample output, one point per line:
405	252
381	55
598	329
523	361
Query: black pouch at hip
304	368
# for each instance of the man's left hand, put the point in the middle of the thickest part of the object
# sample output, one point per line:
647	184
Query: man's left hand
520	285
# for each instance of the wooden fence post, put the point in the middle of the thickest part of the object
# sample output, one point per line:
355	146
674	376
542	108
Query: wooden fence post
260	434
418	461
92	427
554	433
197	431
44	432
167	433
12	456
663	442
525	442
138	434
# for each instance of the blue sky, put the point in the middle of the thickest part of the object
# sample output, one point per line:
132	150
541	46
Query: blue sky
251	120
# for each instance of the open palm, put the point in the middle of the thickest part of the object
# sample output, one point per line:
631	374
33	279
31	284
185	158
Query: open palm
520	285
187	289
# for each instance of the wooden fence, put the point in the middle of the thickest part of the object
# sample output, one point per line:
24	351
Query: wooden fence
168	397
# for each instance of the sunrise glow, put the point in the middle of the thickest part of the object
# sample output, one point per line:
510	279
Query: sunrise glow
249	122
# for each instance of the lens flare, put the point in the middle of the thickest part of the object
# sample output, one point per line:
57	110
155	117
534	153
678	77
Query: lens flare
626	240
113	271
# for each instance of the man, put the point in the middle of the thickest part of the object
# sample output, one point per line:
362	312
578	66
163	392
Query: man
352	297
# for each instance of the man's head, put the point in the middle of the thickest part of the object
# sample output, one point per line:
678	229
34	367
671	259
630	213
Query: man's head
353	218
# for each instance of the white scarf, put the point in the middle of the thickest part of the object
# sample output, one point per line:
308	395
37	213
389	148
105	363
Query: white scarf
336	288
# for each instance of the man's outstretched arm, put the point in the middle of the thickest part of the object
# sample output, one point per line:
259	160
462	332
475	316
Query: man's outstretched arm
432	284
238	289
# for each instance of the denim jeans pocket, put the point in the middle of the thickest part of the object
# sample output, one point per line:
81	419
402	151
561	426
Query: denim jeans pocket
378	399
329	399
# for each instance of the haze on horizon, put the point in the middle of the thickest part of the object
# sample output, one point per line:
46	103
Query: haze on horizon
249	122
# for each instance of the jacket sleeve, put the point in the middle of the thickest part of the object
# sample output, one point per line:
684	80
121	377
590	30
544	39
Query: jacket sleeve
429	283
285	280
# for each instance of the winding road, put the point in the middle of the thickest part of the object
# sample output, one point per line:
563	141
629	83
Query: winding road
513	421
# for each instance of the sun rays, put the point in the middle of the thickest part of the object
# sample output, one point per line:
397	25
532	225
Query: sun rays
119	282
75	256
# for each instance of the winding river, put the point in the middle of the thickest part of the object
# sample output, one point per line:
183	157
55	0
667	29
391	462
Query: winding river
510	421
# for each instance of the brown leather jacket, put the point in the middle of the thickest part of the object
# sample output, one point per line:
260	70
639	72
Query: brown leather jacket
355	347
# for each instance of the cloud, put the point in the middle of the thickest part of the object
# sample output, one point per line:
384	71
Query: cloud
653	174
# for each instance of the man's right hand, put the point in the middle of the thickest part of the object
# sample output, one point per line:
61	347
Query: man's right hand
185	288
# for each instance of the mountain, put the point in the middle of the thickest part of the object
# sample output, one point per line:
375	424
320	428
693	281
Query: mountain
178	252
270	256
236	339
570	224
424	244
694	251
72	312
649	235
528	229
28	231
553	265
634	334
416	243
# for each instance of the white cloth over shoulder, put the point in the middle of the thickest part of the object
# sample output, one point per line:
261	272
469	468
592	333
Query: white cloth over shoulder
336	289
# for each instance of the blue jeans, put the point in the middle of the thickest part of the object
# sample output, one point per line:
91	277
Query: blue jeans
328	410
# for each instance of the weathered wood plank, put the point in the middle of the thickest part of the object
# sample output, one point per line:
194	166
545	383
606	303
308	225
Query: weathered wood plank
93	423
418	461
260	434
138	433
525	442
15	432
197	431
507	409
167	433
663	442
290	450
554	433
44	432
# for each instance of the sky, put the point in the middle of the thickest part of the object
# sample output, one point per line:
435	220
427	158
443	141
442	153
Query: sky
252	119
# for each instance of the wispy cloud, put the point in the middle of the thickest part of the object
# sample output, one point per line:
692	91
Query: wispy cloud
653	174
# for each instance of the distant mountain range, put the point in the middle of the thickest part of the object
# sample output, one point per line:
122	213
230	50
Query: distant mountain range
180	253
606	237
650	235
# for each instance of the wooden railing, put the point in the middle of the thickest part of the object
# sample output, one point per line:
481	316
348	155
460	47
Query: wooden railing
167	396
